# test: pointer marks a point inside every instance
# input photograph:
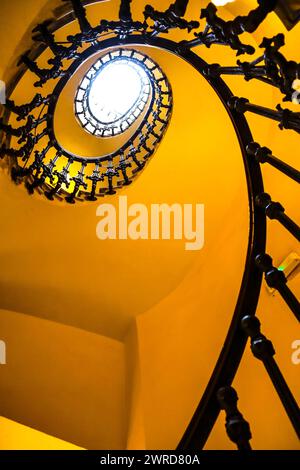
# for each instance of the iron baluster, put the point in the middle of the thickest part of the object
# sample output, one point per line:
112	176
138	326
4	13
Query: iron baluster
110	174
96	177
264	155
23	110
169	19
44	35
274	210
238	429
44	74
78	183
276	279
63	177
263	349
123	166
287	119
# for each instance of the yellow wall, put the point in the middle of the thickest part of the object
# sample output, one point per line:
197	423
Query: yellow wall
16	436
63	381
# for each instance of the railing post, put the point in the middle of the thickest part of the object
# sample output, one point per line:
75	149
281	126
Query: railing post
275	211
276	279
264	155
263	349
238	429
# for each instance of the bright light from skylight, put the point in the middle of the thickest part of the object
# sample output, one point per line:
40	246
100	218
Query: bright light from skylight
113	93
221	3
116	90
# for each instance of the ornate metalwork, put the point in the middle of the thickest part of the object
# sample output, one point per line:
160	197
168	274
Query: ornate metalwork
169	19
44	35
42	173
126	25
276	69
226	33
271	67
23	110
44	74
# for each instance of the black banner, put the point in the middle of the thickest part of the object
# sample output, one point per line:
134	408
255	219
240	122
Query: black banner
125	459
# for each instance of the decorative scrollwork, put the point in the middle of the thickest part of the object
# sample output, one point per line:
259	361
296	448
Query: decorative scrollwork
23	110
218	31
44	75
126	25
169	19
44	35
54	176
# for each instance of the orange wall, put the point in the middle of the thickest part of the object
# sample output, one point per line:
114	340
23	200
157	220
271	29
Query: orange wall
16	436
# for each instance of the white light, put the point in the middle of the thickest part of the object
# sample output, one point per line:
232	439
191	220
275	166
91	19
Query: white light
113	93
115	90
221	3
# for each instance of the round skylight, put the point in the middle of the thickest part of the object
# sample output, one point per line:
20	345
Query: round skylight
113	94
